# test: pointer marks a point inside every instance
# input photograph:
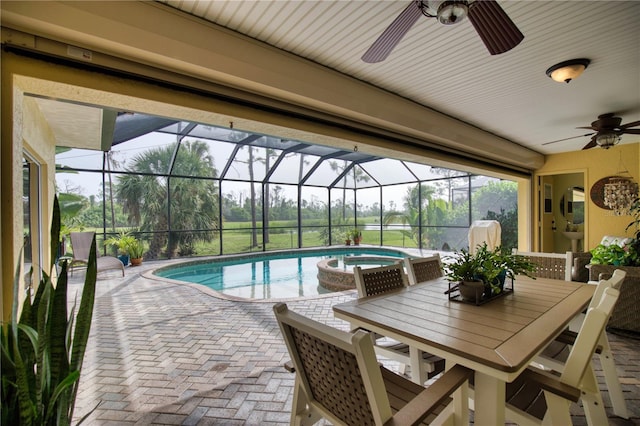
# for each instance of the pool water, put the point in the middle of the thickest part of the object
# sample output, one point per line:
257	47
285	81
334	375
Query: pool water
283	275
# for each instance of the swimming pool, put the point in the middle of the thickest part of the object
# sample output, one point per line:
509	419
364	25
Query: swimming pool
274	275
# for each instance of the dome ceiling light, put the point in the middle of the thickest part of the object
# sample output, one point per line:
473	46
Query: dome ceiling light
568	70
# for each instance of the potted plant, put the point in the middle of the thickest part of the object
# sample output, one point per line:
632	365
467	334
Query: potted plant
464	268
623	254
135	248
356	235
121	242
43	348
483	273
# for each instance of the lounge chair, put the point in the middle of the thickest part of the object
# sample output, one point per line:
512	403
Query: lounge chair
81	244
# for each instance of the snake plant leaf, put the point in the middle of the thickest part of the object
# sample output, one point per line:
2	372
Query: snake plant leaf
83	319
55	233
26	407
57	329
61	388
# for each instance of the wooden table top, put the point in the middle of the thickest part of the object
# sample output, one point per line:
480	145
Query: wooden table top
503	334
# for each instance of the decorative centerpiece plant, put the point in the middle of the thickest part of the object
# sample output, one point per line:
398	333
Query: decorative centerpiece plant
486	266
43	349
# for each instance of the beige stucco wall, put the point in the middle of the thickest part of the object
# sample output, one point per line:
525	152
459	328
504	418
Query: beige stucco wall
24	129
597	163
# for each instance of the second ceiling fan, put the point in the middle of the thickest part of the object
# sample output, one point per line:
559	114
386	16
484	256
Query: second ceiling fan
497	31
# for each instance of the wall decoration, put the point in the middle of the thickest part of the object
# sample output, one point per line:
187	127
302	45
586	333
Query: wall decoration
597	192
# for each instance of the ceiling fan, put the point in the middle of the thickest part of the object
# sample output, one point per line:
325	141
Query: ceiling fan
607	131
497	31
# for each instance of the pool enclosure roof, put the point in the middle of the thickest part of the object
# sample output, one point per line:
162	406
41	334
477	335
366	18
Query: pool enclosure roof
277	160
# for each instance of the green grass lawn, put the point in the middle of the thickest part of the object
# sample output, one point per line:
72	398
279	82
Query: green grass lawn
284	235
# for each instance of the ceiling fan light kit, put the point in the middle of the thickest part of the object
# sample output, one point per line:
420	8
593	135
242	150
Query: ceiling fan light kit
569	70
494	27
451	12
606	139
608	130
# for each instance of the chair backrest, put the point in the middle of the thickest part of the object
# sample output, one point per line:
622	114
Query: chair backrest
550	265
379	280
338	371
81	245
592	327
615	281
421	269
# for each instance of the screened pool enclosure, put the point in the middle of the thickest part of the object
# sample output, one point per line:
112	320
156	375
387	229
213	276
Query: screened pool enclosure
188	189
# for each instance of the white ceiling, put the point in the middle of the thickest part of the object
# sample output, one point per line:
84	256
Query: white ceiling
447	68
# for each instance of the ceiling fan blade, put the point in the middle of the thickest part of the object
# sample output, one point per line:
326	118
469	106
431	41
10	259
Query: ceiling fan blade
588	127
390	38
592	143
497	31
632	124
566	139
631	131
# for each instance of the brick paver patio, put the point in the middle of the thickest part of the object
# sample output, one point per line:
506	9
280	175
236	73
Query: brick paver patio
167	354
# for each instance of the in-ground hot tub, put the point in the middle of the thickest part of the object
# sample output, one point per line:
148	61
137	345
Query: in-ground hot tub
336	276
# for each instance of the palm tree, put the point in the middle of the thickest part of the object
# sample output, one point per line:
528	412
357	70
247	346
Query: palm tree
419	209
144	196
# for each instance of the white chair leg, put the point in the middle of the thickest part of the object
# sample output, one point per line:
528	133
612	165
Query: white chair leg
558	412
301	413
418	375
592	400
613	382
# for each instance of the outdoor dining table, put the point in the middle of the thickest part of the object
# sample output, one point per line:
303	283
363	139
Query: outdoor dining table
497	339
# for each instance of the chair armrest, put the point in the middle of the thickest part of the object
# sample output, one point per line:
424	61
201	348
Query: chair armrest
569	337
288	365
580	261
551	383
431	398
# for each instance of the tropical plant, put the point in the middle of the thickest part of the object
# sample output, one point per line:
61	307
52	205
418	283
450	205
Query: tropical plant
135	248
614	254
419	208
634	245
43	349
486	265
121	242
145	195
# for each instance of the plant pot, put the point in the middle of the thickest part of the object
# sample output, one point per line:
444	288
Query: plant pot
124	258
347	242
471	290
136	261
356	241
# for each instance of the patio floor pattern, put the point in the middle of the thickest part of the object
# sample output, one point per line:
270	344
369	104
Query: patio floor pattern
161	353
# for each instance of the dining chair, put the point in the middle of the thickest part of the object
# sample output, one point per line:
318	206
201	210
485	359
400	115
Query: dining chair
556	266
339	379
380	280
538	397
80	246
554	356
421	269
